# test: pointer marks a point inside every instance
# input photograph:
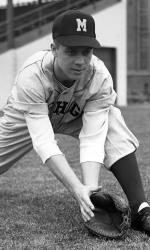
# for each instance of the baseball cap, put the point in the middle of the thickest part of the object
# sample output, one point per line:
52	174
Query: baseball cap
75	28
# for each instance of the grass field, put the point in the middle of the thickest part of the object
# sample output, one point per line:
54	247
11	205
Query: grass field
38	213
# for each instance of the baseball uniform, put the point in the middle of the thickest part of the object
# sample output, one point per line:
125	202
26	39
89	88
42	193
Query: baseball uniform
39	106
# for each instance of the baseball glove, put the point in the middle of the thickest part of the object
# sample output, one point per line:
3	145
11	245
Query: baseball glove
112	216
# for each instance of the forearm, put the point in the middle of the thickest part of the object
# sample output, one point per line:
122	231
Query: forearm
91	173
92	143
93	136
59	166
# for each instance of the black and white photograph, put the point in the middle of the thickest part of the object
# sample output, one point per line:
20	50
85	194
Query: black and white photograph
74	124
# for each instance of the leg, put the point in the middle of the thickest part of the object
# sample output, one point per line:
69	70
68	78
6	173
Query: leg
120	159
127	173
14	144
11	154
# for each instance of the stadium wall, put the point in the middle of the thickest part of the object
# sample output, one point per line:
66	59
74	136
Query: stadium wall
111	32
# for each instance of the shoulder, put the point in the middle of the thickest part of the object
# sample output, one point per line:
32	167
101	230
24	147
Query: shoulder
99	66
38	64
36	58
32	78
101	75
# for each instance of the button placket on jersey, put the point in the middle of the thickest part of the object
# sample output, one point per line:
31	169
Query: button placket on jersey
64	93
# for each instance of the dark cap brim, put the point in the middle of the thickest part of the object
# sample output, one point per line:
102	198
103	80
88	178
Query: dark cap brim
73	41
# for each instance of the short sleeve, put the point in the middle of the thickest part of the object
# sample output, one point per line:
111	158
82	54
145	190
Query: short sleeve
104	97
29	92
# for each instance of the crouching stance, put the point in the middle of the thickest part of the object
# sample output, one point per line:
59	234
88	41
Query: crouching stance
68	90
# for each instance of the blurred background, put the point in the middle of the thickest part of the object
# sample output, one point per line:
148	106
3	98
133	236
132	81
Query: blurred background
122	28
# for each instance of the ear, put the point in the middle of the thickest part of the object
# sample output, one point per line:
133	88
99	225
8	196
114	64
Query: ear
54	49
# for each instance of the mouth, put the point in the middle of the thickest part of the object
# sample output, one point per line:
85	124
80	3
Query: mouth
78	71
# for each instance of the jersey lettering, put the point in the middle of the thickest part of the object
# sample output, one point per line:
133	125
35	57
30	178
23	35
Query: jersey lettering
61	108
81	25
74	109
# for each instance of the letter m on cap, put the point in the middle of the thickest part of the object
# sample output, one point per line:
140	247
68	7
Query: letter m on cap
81	25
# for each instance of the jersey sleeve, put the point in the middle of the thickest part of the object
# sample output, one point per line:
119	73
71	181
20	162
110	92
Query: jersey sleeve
103	96
95	121
29	93
29	96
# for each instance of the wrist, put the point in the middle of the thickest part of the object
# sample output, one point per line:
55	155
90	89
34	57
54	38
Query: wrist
76	187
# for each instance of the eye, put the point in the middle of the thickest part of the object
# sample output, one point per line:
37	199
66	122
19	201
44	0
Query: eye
87	51
71	52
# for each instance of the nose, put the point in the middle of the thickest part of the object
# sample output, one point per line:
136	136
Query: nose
79	60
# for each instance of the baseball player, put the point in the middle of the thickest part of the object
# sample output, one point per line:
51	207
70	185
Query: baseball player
67	90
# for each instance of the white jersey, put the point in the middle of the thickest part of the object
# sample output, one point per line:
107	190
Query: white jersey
40	106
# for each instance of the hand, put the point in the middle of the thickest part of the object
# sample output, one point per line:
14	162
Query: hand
83	197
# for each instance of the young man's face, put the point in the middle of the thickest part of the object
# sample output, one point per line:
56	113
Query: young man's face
71	62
